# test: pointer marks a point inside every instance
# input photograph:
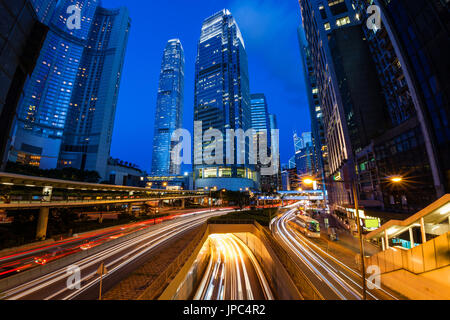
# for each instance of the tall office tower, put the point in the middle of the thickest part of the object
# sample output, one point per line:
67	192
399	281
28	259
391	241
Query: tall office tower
73	91
259	113
42	113
21	38
350	94
260	125
298	142
90	117
320	152
273	125
169	108
304	156
411	57
222	101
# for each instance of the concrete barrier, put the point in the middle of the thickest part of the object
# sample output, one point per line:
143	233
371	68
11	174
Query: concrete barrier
184	283
177	270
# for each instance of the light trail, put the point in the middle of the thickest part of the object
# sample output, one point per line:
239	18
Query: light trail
233	272
333	278
53	285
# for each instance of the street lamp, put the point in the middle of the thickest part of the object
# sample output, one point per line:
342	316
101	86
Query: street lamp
309	181
394	179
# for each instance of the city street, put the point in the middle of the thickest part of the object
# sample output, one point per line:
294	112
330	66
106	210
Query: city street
332	278
120	260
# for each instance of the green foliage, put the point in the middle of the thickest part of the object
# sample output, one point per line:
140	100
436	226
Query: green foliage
71	174
262	216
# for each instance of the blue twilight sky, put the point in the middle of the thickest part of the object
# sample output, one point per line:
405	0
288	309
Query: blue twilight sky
269	29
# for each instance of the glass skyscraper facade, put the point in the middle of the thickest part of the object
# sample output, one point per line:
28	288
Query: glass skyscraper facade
43	111
90	120
260	114
169	108
222	100
21	38
55	88
44	9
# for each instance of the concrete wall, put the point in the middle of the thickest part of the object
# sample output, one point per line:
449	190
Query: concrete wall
279	280
187	288
422	272
423	258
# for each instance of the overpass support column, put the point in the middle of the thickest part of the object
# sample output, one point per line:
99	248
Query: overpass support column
41	231
422	230
130	209
183	203
411	237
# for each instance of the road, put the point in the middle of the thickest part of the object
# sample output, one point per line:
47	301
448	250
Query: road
120	260
233	272
333	279
33	256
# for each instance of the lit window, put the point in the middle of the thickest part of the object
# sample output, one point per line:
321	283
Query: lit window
342	21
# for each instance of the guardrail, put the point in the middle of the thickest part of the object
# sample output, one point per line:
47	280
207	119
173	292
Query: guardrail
431	255
304	285
36	203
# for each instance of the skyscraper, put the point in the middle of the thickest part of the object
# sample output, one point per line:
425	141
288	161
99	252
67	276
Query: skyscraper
259	111
320	152
72	93
380	117
21	37
410	60
349	94
43	111
44	9
169	108
90	120
273	125
222	100
261	125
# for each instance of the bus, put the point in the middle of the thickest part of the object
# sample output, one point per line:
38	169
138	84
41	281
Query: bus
306	225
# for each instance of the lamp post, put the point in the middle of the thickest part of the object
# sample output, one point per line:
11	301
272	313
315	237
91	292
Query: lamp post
394	179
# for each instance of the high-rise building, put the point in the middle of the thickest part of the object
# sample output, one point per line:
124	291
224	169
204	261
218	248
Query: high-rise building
320	149
410	61
90	120
43	110
44	9
350	100
273	125
169	108
304	155
64	87
21	38
380	117
222	101
261	125
259	112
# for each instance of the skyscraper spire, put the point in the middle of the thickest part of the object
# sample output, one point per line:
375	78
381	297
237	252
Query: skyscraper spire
169	108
